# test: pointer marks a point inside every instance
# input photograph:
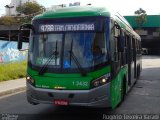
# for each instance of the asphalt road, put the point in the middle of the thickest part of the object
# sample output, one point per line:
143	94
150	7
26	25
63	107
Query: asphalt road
144	98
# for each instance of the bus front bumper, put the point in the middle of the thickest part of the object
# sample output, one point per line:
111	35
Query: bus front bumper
96	97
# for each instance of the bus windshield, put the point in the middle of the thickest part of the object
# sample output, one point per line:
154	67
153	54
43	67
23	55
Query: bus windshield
88	48
80	44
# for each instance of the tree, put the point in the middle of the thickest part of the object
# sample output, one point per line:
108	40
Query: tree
29	8
8	20
141	17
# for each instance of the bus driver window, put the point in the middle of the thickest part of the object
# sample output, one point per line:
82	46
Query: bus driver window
99	48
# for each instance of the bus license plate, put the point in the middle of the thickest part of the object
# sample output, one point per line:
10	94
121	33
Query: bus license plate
61	102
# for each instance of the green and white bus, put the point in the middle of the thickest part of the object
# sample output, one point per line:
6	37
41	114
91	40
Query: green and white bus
81	56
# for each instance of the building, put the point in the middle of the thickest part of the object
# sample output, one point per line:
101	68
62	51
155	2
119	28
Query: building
150	32
11	8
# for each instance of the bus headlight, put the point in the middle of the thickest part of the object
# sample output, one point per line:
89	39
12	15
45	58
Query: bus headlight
101	81
30	80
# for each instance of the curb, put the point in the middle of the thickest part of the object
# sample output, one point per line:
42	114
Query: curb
11	91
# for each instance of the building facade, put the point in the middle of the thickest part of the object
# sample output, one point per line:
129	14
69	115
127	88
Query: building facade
150	32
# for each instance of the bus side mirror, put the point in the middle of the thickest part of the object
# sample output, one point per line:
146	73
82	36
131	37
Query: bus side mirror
121	43
20	35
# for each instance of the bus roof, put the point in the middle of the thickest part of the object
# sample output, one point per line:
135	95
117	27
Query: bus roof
74	12
82	11
125	24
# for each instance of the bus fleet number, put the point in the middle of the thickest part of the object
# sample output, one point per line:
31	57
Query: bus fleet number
80	83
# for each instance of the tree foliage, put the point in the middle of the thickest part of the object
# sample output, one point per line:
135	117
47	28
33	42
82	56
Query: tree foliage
141	17
29	8
8	20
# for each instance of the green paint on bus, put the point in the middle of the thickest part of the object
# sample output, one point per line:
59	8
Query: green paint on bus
67	81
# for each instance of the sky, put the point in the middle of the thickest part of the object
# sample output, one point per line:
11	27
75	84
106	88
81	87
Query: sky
124	7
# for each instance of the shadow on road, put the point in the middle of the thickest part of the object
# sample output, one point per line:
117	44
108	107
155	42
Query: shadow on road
70	113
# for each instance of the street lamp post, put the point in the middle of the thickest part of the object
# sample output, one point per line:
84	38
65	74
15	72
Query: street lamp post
9	7
9	32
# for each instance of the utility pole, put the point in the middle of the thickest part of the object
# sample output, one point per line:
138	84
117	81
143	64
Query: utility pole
20	6
9	7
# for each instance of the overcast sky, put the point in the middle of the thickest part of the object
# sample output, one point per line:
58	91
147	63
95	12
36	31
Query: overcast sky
124	7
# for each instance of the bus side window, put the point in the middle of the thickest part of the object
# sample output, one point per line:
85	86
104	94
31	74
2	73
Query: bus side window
115	41
125	48
128	41
137	46
134	48
123	53
130	51
115	33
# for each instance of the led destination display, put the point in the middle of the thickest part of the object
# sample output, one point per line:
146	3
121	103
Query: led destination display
67	27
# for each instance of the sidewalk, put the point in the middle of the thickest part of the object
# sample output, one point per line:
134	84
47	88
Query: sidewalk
12	86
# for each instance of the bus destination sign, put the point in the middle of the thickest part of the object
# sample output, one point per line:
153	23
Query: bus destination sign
67	27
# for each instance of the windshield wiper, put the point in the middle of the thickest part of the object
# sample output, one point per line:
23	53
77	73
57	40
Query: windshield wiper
83	73
43	69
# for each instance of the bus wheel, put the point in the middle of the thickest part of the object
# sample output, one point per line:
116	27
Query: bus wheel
31	102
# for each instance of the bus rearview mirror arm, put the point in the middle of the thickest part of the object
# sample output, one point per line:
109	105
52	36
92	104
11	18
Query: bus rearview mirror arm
20	35
19	40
